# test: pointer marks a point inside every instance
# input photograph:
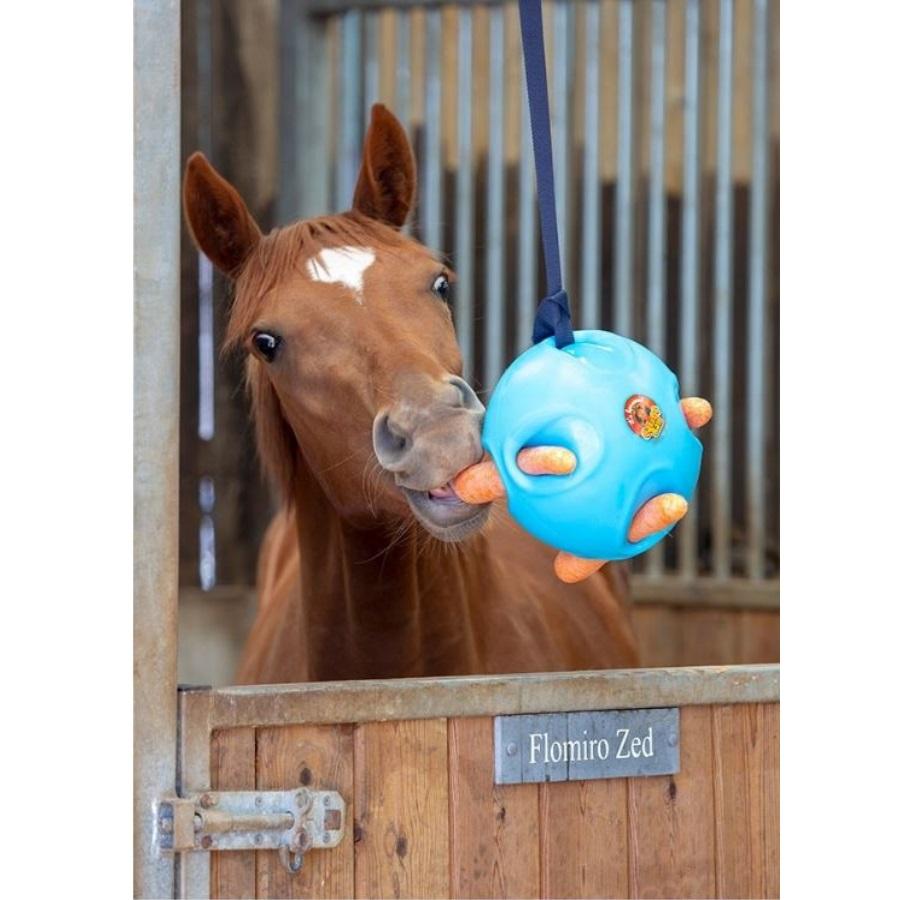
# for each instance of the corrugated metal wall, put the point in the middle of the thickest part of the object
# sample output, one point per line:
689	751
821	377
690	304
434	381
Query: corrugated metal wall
665	122
665	118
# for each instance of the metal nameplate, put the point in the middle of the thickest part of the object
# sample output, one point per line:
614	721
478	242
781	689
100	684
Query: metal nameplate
577	746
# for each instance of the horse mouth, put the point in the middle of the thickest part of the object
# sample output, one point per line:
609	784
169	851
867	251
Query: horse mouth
444	515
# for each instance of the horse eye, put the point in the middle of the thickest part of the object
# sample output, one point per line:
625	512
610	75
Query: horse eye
441	287
266	344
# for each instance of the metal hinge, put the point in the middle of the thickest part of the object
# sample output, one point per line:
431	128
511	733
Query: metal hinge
290	822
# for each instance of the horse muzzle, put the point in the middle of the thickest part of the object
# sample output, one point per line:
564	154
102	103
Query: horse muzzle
424	440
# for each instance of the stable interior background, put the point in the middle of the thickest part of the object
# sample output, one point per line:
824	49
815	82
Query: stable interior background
666	133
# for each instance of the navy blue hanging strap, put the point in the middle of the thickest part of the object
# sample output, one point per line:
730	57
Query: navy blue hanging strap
553	316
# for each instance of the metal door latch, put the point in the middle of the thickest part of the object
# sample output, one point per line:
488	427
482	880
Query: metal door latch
290	822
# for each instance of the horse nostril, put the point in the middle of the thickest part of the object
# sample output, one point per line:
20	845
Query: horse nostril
390	442
468	399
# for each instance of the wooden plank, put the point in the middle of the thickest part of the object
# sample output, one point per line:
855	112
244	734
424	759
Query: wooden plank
759	637
670	820
771	800
401	831
659	635
584	839
745	760
723	593
401	699
709	637
489	825
233	765
320	757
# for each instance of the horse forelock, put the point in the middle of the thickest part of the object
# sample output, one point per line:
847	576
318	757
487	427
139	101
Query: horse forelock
284	252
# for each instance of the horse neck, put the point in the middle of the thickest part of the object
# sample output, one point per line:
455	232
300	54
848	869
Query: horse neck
385	606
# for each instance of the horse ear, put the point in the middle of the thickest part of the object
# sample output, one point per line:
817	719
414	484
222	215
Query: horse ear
386	186
219	220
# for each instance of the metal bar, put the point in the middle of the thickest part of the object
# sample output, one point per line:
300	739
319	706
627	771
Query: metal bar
494	332
722	361
371	76
622	301
526	298
463	243
295	195
490	695
591	246
305	113
157	247
656	215
688	367
656	237
434	164
350	137
403	83
289	64
757	357
559	126
206	350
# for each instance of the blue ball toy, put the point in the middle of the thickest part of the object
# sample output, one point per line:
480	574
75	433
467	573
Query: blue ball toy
616	406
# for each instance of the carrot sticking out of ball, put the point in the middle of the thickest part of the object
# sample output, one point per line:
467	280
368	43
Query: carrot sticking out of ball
656	514
571	569
546	461
481	483
697	411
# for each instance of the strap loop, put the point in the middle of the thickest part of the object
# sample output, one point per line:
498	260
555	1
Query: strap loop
553	316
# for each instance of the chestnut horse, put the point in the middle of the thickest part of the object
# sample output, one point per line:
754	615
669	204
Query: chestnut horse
374	567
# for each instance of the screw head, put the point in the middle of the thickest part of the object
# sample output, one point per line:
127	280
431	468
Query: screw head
258	801
302	798
673	740
326	838
326	801
207	800
206	842
512	749
257	838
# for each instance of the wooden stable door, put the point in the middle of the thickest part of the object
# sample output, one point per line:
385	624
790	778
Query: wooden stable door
428	820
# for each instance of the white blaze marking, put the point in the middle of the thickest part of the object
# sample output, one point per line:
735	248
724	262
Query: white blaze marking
341	265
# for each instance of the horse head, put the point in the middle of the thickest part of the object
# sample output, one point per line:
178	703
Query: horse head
352	361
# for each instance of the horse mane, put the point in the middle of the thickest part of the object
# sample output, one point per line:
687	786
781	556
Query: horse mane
279	254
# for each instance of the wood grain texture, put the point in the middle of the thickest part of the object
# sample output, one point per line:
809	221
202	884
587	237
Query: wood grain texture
677	636
401	830
671	849
759	637
320	757
659	635
745	764
710	637
493	829
233	767
584	839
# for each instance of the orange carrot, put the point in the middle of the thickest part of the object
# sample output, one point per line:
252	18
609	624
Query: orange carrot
656	514
546	461
570	568
479	483
697	411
